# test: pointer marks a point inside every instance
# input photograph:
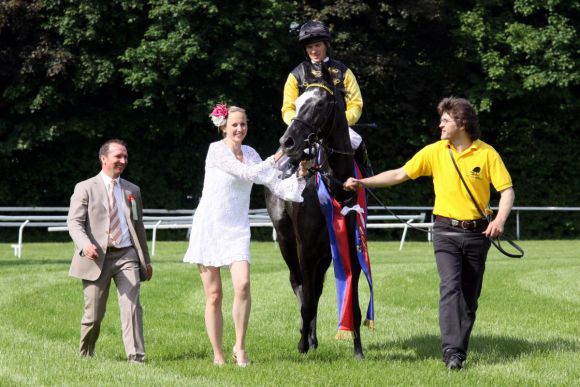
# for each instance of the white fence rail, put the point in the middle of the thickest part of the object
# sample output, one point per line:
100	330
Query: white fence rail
516	209
158	219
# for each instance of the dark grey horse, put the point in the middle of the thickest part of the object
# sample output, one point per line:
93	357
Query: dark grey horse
319	126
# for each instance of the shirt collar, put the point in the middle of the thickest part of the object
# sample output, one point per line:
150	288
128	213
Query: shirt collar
474	145
325	60
107	180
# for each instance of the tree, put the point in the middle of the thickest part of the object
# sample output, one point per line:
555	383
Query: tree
525	65
76	72
84	70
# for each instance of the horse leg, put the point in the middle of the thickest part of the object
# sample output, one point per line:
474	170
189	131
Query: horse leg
315	258
283	223
318	285
358	352
308	308
312	339
356	272
289	253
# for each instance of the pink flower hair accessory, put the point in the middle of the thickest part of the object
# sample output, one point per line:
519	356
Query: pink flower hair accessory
219	114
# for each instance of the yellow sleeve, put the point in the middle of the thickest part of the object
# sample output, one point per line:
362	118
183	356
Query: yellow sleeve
354	101
420	164
500	177
290	96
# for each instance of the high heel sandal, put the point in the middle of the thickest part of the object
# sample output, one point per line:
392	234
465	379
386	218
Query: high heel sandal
239	363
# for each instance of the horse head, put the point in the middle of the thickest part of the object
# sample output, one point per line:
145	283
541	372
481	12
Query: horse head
317	110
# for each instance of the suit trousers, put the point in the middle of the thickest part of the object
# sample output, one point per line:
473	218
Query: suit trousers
461	263
123	267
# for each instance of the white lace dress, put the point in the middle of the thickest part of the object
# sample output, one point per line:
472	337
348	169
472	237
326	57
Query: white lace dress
220	232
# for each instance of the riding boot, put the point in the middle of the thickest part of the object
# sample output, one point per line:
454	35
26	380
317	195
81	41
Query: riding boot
361	157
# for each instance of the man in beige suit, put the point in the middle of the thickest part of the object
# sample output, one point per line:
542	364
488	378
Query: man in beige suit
105	222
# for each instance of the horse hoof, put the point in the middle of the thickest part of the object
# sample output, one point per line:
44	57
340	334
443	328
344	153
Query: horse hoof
302	346
313	343
359	356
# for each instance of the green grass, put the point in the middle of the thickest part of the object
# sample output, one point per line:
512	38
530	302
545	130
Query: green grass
527	332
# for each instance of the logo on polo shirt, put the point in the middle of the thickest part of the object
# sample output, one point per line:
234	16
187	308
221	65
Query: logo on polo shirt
474	173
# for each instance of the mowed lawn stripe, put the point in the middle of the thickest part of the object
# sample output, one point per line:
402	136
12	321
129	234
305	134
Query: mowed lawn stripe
527	332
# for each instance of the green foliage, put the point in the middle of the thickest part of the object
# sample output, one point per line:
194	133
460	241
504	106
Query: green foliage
74	73
81	71
524	58
530	47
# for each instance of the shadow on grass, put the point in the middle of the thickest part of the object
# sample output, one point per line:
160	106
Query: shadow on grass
201	354
489	349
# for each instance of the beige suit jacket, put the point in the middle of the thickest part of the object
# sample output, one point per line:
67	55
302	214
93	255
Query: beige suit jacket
88	222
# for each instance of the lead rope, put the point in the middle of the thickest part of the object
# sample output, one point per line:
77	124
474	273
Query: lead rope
497	242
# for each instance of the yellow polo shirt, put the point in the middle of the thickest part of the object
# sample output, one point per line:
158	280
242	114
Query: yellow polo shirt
480	166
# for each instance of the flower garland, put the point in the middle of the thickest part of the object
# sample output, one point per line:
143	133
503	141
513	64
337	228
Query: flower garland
219	114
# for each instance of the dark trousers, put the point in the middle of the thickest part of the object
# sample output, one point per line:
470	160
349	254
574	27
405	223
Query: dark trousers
461	263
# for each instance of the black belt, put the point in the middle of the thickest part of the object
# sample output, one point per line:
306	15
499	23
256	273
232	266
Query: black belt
113	249
470	225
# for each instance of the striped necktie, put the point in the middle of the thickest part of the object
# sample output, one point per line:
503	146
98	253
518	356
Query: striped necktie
114	221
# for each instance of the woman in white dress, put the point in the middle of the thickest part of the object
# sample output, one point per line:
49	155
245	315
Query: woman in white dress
220	232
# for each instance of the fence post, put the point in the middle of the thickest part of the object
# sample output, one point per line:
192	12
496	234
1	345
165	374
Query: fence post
18	248
154	237
518	225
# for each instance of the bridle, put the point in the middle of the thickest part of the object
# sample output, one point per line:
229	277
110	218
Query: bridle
317	139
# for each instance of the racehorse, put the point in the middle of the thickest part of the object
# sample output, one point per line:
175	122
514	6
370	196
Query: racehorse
320	127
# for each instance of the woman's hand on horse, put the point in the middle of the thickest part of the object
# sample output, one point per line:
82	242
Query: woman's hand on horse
304	168
351	184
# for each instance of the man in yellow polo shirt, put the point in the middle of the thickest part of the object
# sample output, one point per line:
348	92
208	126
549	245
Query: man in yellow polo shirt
461	238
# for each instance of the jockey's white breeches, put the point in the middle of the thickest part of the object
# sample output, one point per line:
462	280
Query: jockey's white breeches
355	139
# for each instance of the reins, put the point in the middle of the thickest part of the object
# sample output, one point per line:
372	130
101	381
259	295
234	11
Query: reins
496	243
321	85
314	137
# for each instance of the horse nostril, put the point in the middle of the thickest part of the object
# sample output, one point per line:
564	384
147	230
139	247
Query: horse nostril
289	143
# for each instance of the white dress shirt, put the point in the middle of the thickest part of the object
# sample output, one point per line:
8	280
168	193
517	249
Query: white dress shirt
125	239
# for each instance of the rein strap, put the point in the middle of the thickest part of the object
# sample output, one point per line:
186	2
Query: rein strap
496	243
322	86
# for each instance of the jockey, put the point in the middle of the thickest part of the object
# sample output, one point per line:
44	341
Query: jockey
314	37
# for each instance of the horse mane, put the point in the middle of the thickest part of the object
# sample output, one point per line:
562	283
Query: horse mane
339	91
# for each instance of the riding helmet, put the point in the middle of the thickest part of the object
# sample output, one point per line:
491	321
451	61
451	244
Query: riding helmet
313	31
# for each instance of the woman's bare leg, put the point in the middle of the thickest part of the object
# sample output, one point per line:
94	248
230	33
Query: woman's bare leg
214	320
240	272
